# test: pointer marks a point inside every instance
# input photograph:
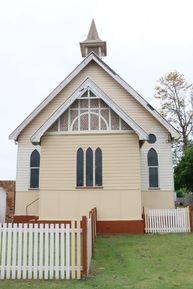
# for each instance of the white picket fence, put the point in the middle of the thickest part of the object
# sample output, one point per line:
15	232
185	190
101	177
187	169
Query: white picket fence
89	244
32	251
167	220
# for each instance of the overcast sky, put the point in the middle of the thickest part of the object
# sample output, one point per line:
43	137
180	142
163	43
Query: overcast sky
39	47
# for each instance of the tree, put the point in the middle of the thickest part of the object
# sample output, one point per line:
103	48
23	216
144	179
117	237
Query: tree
183	172
176	97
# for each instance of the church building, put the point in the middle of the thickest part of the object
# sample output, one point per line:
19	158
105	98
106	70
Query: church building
94	142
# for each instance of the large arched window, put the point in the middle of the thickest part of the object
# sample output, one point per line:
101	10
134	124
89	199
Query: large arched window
34	169
80	168
89	168
98	167
152	160
89	113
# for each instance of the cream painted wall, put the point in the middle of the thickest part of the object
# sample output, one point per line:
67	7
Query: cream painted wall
127	103
157	199
120	197
23	199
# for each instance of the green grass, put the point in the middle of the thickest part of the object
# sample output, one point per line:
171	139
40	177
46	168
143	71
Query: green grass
131	261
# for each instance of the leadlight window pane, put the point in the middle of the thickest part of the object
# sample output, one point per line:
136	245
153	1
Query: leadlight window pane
153	177
64	121
75	104
35	159
152	158
94	103
34	178
89	167
103	104
75	125
80	168
92	94
105	114
124	125
73	115
85	94
54	127
94	122
83	103
103	125
98	167
83	111
84	122
114	121
94	110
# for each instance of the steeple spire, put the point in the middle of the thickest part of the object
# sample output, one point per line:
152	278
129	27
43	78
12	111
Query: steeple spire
93	43
93	34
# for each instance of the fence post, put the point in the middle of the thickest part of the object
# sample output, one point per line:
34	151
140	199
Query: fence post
95	222
92	239
95	213
190	216
84	246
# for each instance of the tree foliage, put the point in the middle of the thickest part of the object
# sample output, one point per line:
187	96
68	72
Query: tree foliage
183	173
176	97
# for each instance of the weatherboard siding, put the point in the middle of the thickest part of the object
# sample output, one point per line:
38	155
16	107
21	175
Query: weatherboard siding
23	199
121	194
157	199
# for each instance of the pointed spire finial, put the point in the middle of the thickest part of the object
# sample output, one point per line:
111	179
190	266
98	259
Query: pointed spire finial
93	34
93	43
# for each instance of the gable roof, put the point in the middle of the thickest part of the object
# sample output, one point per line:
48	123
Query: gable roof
88	84
93	57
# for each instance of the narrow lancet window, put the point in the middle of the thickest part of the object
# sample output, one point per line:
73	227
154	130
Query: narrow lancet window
89	167
152	159
34	169
80	168
98	167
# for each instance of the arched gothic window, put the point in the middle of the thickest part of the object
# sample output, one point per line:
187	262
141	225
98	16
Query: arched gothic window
89	168
80	168
34	169
152	160
98	167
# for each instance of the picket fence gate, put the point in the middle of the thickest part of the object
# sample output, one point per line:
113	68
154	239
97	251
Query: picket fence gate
167	220
38	251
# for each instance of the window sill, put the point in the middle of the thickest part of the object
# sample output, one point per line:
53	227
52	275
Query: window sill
154	189
33	189
89	188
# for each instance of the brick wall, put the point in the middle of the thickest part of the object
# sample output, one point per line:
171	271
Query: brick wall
9	187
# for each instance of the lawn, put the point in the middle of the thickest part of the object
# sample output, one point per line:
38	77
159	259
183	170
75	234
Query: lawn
131	261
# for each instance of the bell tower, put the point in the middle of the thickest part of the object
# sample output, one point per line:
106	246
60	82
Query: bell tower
93	43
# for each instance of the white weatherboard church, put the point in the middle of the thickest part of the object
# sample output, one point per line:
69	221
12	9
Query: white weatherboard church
94	142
